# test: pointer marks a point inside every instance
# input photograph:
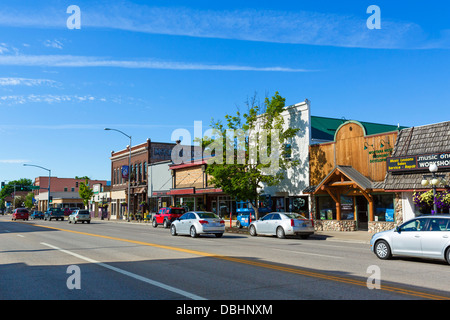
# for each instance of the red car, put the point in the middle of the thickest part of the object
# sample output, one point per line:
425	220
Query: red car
165	216
20	213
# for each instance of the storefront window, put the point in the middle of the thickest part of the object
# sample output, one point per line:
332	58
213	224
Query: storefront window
326	208
384	207
299	205
185	202
347	208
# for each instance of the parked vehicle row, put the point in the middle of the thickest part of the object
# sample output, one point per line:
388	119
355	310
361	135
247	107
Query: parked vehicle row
424	237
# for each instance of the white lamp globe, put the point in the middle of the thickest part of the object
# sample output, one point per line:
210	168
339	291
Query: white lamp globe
433	167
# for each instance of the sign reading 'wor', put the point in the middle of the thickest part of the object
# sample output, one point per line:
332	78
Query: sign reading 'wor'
418	162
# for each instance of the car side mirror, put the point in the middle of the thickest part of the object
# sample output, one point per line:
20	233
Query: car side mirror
397	229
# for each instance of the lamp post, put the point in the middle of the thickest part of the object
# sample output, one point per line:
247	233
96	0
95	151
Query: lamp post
435	181
129	175
49	176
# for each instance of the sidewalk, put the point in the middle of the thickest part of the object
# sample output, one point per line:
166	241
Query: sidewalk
345	236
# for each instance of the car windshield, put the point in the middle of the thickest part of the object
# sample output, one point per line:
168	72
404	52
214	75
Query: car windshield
206	215
83	212
293	215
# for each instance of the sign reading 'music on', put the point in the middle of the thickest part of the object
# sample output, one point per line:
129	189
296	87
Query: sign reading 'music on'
418	162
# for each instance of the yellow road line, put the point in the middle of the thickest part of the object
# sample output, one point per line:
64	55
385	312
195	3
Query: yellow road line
263	265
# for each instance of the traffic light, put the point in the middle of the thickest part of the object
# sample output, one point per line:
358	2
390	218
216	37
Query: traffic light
51	199
3	184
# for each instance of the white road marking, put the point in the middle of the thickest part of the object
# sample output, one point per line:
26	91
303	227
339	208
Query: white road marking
129	274
310	254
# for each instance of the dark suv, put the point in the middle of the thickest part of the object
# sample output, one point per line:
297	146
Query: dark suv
54	213
165	216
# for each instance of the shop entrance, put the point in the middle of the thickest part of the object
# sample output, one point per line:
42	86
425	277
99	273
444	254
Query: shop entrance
362	213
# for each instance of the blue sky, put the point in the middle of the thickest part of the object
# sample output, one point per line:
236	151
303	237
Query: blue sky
150	67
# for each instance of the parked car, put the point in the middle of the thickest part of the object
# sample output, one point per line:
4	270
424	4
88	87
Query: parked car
54	213
166	216
80	215
67	212
20	213
244	219
424	237
195	223
282	224
37	215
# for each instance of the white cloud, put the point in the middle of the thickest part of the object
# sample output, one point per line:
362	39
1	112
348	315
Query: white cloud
47	98
26	82
53	44
84	61
276	26
14	161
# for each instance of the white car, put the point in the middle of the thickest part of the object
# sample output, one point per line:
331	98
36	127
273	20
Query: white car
195	223
80	215
424	237
282	224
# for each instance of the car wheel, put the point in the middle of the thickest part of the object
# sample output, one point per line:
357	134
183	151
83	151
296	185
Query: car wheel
166	224
238	224
280	233
193	232
252	231
173	230
447	255
154	224
70	221
382	250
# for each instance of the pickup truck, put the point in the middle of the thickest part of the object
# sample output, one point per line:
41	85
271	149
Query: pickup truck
54	213
166	216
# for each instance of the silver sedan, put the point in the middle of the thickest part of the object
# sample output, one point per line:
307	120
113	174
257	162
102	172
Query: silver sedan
282	224
424	237
195	223
80	215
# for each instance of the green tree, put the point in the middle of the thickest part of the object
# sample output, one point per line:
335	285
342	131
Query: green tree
254	154
85	192
29	200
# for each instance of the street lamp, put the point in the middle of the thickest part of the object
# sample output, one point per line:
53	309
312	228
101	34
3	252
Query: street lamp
129	175
435	181
49	176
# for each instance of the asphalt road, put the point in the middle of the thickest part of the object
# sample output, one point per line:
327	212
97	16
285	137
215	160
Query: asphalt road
110	260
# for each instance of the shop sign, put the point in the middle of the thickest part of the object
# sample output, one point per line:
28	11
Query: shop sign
418	162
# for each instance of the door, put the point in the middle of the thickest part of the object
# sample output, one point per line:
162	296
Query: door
263	224
407	241
362	213
273	223
182	226
435	237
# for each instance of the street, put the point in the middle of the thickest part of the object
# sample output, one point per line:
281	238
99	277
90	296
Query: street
118	260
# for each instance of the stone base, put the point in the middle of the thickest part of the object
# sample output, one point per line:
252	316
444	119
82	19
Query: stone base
335	225
378	226
350	225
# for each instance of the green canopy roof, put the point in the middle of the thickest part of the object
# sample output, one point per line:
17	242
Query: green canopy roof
323	128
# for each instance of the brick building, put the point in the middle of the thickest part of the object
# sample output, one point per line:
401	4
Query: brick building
64	192
141	156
